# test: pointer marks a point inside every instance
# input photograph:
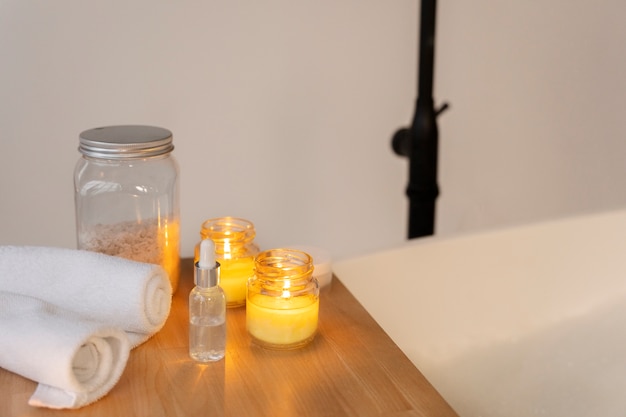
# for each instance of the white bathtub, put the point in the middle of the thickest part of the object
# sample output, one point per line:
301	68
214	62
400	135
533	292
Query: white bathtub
529	321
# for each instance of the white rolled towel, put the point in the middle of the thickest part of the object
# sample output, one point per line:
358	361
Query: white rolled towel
75	361
133	296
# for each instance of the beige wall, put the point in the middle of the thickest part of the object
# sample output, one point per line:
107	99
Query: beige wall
282	111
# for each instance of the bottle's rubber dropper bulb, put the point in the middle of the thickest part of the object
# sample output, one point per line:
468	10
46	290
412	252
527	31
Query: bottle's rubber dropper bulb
207	272
207	254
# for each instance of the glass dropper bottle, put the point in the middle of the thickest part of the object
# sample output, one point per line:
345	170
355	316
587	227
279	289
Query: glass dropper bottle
207	308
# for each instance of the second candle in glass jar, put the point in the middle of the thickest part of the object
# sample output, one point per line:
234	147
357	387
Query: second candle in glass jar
282	300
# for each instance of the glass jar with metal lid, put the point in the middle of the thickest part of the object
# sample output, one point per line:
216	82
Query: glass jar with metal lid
126	195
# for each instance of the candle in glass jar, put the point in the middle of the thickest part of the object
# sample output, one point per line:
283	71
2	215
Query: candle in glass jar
282	300
235	251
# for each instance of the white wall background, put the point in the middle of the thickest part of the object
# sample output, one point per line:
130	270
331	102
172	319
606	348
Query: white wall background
282	111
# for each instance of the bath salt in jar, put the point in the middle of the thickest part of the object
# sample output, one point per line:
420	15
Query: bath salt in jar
235	250
282	300
126	195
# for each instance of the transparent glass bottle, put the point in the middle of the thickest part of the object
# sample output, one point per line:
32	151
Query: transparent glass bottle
282	300
207	309
235	251
126	195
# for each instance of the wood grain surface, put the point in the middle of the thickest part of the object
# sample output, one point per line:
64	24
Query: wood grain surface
352	368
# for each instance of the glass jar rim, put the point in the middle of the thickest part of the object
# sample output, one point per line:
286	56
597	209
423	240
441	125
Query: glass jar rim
228	229
284	263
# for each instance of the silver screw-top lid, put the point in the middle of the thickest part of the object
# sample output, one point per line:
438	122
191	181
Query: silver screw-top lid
125	142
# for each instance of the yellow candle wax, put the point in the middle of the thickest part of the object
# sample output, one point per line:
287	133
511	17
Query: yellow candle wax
234	274
282	322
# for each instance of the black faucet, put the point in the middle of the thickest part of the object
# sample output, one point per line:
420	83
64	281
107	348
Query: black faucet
420	142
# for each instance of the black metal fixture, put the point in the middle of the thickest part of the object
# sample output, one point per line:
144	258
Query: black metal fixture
420	142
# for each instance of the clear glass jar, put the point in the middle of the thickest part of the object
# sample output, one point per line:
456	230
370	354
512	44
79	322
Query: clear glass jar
126	195
282	300
235	251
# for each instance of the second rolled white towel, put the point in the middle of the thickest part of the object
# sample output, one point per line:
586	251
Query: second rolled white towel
74	360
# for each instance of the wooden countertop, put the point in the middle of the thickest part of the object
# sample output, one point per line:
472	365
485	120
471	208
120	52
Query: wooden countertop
352	368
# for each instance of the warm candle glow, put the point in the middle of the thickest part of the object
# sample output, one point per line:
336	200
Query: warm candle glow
283	299
235	251
234	274
285	322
